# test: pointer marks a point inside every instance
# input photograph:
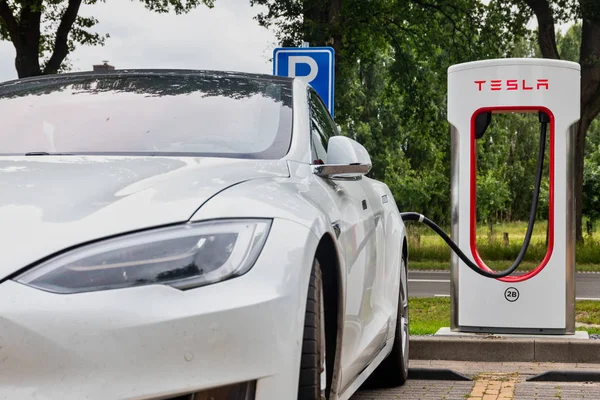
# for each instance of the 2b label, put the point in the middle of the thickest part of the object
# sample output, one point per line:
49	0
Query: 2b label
511	294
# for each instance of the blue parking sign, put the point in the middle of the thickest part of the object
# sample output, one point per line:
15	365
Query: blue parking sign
314	65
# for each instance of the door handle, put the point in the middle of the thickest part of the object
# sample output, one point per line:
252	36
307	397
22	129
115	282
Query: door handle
364	204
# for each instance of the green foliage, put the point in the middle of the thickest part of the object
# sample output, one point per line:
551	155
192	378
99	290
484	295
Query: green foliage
492	195
591	176
506	164
391	83
177	6
428	315
588	312
569	45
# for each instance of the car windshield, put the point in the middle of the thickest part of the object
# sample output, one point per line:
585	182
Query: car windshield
159	114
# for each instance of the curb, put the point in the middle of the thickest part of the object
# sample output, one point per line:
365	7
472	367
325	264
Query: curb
504	349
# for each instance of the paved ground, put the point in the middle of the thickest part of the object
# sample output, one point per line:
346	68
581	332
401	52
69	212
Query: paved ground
491	381
417	390
432	283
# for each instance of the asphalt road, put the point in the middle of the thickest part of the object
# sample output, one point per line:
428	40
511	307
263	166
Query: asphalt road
437	284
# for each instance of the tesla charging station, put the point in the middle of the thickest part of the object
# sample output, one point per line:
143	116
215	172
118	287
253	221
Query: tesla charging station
541	301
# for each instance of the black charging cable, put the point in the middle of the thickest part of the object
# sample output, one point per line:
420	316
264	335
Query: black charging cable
413	216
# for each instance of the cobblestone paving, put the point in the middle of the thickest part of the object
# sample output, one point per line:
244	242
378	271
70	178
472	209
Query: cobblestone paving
491	381
557	390
420	390
494	386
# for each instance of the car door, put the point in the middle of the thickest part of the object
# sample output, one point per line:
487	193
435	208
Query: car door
355	215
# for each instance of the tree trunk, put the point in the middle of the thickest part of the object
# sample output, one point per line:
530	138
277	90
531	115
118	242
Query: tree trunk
335	23
61	42
316	17
590	81
581	131
546	35
24	32
27	60
590	101
323	26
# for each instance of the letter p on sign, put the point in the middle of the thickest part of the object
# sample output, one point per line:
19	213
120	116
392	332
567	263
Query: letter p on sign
312	65
313	72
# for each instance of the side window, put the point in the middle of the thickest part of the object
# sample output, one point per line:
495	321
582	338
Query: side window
322	127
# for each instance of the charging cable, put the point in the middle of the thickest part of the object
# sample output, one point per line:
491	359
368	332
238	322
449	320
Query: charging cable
413	216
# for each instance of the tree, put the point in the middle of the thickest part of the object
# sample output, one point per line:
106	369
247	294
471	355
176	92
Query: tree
569	46
548	13
591	186
391	75
44	32
591	176
492	196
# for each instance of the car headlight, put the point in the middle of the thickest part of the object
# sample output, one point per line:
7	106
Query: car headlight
184	257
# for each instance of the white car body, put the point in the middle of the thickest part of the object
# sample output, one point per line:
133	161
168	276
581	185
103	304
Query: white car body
156	341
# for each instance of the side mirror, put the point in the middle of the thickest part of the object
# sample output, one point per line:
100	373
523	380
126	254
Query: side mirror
346	159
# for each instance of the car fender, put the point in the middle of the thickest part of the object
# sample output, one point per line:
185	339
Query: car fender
284	198
273	198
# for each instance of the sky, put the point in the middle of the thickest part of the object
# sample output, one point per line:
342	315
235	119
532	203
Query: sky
225	37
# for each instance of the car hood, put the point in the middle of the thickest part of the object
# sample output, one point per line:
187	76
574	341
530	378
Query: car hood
50	203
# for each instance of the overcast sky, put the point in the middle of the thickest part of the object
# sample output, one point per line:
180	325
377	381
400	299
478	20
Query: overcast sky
223	38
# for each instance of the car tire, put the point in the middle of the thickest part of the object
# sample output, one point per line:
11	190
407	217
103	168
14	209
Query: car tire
393	371
313	375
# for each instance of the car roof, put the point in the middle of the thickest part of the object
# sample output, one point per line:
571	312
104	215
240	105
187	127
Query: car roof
120	73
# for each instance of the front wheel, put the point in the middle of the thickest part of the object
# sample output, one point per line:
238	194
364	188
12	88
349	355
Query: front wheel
393	371
313	371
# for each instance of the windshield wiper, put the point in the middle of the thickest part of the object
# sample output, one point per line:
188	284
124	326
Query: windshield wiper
45	153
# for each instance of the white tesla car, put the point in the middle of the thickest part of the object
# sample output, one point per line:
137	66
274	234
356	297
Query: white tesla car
192	235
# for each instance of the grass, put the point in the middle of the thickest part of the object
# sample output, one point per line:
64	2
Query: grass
428	251
428	314
496	265
588	312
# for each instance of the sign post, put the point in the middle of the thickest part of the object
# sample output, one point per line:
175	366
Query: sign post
314	65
